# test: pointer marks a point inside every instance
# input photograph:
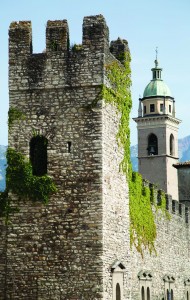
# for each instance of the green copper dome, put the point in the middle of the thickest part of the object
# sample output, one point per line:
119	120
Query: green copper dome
157	86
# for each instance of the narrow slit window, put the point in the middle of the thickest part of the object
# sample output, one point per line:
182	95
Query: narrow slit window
69	147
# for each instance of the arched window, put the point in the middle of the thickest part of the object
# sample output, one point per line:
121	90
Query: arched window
118	292
38	155
187	295
171	144
172	295
148	293
152	145
168	295
142	293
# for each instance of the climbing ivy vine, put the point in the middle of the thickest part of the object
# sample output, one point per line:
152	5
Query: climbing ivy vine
142	220
13	115
21	181
19	175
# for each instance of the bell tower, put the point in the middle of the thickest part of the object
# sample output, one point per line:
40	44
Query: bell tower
157	128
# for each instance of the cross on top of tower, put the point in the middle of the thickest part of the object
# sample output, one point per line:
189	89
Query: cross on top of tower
156	60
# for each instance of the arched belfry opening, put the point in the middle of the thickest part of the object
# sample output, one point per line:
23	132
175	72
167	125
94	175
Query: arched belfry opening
38	155
172	152
152	144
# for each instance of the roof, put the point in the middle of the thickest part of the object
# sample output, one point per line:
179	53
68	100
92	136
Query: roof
157	88
185	164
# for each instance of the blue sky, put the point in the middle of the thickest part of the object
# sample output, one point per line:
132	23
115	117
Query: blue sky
145	24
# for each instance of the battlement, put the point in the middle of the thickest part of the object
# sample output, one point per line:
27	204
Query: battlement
61	65
20	39
173	207
95	35
57	36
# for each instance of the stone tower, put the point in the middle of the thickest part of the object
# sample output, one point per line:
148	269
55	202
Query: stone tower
73	247
158	134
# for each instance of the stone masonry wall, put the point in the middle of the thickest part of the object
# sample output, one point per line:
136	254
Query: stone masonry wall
183	170
3	258
116	244
171	257
65	250
55	251
116	237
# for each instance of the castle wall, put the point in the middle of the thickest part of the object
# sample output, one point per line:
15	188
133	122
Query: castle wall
183	182
65	250
116	237
3	258
55	251
171	257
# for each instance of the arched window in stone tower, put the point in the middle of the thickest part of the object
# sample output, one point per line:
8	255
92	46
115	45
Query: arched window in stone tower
152	144
118	292
38	155
171	144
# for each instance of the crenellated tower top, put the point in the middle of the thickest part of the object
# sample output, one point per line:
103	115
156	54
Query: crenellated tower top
60	64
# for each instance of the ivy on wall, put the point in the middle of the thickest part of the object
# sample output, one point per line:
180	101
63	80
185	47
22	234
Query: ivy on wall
21	181
141	198
20	178
14	114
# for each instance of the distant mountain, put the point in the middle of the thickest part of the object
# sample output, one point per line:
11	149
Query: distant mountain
3	163
184	155
183	148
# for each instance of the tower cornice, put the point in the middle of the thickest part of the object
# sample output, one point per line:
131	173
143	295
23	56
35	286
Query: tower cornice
154	118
